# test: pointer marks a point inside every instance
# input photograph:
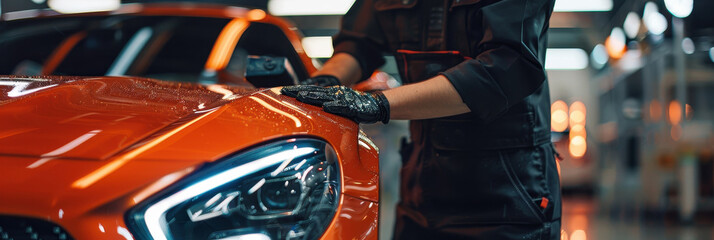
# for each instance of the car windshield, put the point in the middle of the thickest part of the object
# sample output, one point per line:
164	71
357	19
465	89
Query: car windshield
175	48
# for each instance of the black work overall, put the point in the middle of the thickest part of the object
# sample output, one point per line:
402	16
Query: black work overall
488	174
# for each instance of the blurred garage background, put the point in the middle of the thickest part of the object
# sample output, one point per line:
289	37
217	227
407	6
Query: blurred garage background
632	85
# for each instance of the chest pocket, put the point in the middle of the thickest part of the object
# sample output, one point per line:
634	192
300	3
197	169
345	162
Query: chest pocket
466	27
401	22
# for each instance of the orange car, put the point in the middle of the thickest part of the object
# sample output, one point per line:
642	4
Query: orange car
200	154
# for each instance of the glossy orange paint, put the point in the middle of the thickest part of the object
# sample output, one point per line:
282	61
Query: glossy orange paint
112	113
81	151
180	134
226	43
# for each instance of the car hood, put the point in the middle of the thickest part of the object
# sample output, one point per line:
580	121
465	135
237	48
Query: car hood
95	118
85	149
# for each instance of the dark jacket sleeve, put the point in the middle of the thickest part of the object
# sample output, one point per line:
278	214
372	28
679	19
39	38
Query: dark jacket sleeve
507	63
361	37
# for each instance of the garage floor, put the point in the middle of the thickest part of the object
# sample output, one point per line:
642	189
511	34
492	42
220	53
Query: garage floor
582	217
584	213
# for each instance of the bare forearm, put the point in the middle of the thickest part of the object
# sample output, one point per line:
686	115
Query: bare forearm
433	98
344	67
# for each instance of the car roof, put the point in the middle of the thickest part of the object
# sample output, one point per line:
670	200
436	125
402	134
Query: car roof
154	9
185	9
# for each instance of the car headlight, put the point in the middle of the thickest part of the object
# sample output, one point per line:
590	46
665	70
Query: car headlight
284	190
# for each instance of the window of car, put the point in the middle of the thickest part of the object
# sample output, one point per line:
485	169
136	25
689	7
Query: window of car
25	45
172	48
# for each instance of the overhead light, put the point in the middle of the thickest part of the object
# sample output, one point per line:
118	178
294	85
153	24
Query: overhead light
615	43
680	8
650	8
688	46
579	235
309	7
583	6
577	148
577	113
631	60
618	35
655	22
559	116
566	59
632	25
599	56
578	130
674	112
318	47
80	6
578	134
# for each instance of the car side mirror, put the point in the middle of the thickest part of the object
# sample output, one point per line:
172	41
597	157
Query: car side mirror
269	71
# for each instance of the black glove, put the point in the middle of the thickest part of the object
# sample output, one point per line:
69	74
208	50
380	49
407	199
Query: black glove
359	106
322	80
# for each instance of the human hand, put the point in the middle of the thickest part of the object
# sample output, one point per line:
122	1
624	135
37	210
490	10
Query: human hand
322	81
359	106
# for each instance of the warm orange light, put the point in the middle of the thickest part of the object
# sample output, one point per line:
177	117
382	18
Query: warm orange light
559	116
675	112
579	235
655	110
577	147
563	234
225	44
676	132
578	130
688	111
578	113
256	14
578	221
613	50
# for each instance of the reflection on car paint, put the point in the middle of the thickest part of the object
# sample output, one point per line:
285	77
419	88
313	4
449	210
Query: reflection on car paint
268	106
286	104
124	233
63	149
161	184
78	117
220	89
130	52
107	169
124	108
21	86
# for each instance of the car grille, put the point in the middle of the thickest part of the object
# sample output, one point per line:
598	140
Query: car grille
20	228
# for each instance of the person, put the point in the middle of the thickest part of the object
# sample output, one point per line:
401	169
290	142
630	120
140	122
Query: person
480	164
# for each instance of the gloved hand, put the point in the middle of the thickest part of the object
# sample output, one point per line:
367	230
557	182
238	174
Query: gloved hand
322	80
359	106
